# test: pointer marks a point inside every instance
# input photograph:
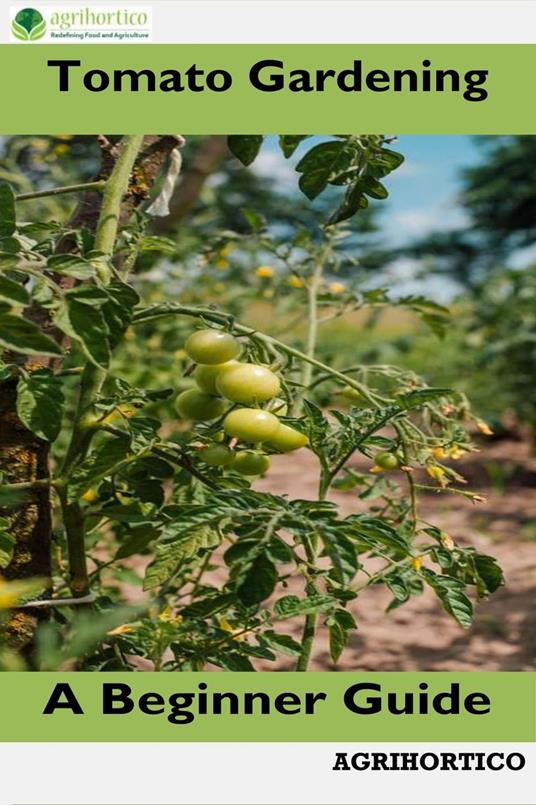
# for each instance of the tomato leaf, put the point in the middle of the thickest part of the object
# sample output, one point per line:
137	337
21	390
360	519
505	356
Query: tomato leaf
40	403
13	292
23	336
451	593
7	210
259	581
245	147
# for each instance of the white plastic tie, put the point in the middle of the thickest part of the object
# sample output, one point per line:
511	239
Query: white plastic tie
160	206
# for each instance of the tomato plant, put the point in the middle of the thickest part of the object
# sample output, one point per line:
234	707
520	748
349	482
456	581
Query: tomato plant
104	479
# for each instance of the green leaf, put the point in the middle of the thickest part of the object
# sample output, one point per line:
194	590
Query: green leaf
13	292
386	161
234	662
283	643
415	399
373	188
89	326
209	606
71	266
342	553
259	581
245	147
345	619
7	210
101	460
489	576
40	403
321	164
290	605
377	533
338	637
23	336
353	201
170	556
11	498
7	543
289	142
117	311
138	541
451	594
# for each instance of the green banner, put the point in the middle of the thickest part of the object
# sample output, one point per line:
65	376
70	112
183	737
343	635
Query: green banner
351	707
481	89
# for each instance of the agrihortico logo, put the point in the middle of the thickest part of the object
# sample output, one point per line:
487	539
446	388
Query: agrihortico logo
96	24
28	25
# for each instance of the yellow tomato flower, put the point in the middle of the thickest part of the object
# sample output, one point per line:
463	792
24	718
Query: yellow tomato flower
438	452
456	452
417	562
225	626
438	474
295	282
125	628
221	264
265	272
483	427
90	496
167	616
337	287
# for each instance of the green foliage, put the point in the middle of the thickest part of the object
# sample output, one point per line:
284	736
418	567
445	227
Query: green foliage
228	572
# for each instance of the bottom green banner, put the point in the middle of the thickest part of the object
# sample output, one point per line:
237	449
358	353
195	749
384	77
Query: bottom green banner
352	707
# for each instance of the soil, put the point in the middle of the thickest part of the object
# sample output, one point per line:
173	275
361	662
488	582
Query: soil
420	635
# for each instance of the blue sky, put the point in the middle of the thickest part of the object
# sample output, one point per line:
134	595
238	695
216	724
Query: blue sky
423	191
423	197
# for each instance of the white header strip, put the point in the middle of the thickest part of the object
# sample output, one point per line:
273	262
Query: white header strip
326	21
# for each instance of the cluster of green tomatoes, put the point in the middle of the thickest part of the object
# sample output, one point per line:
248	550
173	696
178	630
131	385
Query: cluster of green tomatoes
245	396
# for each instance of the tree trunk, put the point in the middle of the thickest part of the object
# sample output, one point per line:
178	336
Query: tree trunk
24	458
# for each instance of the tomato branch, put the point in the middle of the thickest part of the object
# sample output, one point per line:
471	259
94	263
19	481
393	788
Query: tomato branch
99	184
209	314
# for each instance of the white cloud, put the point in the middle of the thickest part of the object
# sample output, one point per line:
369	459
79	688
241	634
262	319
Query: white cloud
422	221
274	166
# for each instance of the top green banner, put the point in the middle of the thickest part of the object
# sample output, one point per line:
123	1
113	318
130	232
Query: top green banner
231	89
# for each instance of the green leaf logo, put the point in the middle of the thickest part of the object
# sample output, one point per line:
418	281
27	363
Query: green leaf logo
28	25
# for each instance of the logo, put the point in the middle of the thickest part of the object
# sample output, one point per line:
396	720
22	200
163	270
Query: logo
28	25
106	22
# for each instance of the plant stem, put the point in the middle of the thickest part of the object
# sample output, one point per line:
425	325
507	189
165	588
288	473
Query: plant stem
60	191
93	377
309	627
73	522
312	330
310	545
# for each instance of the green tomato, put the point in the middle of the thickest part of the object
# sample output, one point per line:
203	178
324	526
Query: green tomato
287	439
354	397
251	462
251	424
217	455
212	347
205	376
387	461
201	407
248	383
